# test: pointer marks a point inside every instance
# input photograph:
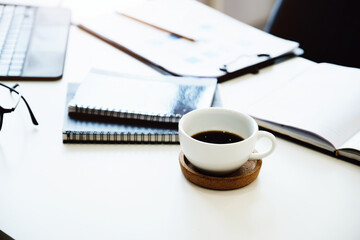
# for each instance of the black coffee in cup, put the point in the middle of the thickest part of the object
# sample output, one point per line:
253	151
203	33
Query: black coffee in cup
218	137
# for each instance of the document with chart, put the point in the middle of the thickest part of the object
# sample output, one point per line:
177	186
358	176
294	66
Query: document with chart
187	38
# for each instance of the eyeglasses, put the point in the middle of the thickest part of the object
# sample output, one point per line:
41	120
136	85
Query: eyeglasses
13	101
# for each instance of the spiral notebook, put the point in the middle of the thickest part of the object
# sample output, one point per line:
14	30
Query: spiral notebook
78	129
155	99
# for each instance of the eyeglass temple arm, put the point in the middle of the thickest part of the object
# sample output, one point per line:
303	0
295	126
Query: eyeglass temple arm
33	119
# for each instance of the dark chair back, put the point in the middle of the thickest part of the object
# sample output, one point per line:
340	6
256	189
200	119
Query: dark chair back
327	30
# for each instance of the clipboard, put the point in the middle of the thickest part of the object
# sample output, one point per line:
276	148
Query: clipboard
218	46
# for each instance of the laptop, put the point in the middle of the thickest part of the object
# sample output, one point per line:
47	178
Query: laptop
33	42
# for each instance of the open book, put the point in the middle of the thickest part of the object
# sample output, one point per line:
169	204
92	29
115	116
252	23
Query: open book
221	47
320	107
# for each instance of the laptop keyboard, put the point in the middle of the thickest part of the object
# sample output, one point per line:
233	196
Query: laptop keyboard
16	24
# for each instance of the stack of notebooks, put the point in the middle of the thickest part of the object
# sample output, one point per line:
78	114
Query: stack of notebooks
110	107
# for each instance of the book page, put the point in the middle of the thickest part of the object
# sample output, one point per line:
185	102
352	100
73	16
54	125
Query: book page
352	143
351	148
323	100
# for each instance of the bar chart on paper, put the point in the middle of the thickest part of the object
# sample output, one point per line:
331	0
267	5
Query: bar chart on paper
216	39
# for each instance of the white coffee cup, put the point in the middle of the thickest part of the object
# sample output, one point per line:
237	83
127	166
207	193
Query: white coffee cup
217	158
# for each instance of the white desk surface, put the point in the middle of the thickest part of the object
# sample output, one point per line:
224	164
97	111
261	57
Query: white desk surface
50	190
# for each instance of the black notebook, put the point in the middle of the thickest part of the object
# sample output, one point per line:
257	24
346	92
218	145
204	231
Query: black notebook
153	99
107	130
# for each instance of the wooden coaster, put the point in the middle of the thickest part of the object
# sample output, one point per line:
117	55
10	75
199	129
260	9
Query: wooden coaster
245	175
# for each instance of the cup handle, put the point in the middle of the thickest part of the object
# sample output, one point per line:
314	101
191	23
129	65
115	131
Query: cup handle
268	135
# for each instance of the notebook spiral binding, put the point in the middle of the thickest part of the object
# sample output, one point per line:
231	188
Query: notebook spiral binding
124	114
123	137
